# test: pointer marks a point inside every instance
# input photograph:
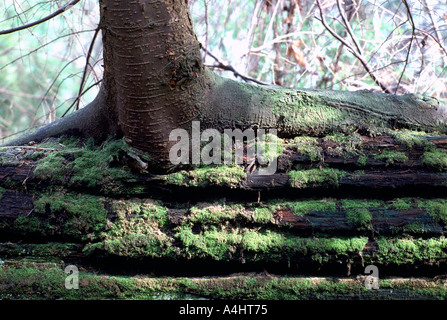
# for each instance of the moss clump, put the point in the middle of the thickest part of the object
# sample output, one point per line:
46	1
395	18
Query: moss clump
75	215
269	149
409	251
362	160
2	191
390	157
315	178
411	139
358	212
52	168
359	217
138	231
308	146
304	207
355	203
225	175
347	146
401	204
86	166
435	160
304	113
250	245
437	209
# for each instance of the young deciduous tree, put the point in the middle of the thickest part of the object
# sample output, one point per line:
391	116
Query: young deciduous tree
155	81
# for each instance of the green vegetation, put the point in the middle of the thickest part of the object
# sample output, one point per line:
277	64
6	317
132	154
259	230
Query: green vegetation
304	112
435	160
410	251
32	281
358	211
392	156
77	216
410	139
362	160
308	146
223	175
347	146
304	207
401	204
436	208
86	166
47	251
313	178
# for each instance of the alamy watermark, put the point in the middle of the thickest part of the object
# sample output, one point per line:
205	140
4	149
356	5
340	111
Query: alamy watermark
372	280
72	280
233	146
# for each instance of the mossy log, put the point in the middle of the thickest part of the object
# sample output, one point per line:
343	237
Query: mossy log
337	204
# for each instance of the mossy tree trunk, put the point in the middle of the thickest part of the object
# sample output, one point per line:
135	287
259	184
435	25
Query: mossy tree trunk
155	82
351	189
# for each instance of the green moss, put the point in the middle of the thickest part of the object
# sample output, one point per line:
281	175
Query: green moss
362	160
401	204
392	156
432	251
359	217
86	166
83	216
308	146
224	175
137	231
435	160
52	168
436	208
250	245
358	212
347	146
264	215
213	213
272	148
315	178
30	225
304	207
361	203
45	281
2	191
411	139
304	112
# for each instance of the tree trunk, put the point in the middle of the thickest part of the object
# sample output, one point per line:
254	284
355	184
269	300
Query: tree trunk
350	189
155	82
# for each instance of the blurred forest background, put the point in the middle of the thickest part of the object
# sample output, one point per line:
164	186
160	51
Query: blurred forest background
394	46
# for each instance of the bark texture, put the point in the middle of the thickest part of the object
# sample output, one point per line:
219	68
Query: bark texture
154	82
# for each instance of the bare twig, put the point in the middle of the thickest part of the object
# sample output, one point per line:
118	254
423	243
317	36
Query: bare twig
205	2
87	64
228	67
355	51
35	23
413	30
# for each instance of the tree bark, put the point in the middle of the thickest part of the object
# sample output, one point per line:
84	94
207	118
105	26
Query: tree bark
155	82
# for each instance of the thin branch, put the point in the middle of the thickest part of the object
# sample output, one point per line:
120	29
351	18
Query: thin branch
35	23
205	2
348	28
79	97
87	64
357	54
227	67
413	30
